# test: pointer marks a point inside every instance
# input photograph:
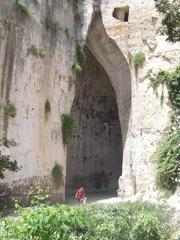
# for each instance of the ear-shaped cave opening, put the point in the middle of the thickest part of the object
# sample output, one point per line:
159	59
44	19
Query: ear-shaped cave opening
102	105
95	152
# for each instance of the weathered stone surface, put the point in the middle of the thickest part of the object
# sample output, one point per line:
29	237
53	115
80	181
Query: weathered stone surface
29	81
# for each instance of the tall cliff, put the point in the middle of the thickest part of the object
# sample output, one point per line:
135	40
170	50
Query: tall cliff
120	120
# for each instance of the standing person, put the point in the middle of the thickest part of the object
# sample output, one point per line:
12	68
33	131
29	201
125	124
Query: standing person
80	195
121	189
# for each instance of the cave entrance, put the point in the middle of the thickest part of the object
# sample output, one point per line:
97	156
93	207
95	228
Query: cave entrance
95	152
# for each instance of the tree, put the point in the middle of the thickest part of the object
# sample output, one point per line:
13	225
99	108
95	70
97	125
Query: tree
171	18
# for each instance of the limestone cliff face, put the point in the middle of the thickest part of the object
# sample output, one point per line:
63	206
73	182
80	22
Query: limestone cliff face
113	31
29	81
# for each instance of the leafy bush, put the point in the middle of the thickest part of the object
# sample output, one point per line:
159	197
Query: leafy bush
168	162
171	16
138	59
39	195
10	109
168	154
80	58
132	221
7	164
37	52
123	221
68	125
50	24
57	174
22	8
45	222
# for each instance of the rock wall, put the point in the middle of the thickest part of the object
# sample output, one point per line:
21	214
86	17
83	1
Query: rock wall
29	81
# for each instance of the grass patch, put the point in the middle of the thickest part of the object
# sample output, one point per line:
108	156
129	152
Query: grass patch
68	125
10	109
138	59
22	9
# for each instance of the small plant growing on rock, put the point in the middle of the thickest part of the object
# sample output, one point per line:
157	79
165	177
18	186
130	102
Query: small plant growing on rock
10	109
50	24
80	58
6	164
22	9
68	125
138	59
37	52
37	1
57	174
47	108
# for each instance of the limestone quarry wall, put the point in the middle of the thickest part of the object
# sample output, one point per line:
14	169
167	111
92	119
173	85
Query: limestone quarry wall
29	81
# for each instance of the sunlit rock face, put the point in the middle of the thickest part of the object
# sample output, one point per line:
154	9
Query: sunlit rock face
113	31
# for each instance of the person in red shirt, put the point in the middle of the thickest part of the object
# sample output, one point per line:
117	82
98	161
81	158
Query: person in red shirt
80	194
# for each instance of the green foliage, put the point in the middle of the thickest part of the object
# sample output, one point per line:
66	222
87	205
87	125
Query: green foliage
50	24
68	125
168	162
10	109
57	174
39	195
7	164
37	52
22	8
171	18
132	221
45	222
138	59
80	58
168	155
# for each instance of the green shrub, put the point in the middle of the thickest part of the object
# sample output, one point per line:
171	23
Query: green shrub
168	154
10	109
37	52
67	33
138	59
22	8
7	164
50	24
168	163
45	222
68	125
80	58
57	174
39	195
125	221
